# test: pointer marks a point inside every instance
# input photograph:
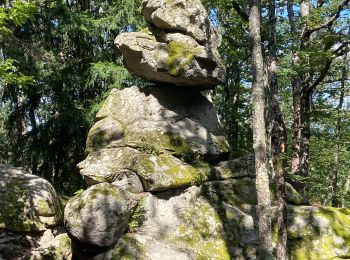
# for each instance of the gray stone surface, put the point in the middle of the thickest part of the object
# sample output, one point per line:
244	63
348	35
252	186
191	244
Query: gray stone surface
202	223
27	202
187	16
172	58
156	172
97	217
166	136
241	167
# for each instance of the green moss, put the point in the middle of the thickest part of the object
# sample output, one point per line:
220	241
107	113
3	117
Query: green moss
167	172
159	141
325	234
128	248
223	144
111	106
202	232
45	209
104	132
234	192
146	30
15	208
179	56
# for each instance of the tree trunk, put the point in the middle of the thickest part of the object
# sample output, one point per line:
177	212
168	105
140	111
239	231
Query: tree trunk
301	131
277	136
301	98
335	200
259	133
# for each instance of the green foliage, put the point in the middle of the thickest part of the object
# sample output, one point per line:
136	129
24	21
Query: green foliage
57	64
137	216
9	74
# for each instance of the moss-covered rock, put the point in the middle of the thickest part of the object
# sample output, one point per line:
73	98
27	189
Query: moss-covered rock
27	202
156	171
103	133
159	119
318	233
173	62
97	217
213	222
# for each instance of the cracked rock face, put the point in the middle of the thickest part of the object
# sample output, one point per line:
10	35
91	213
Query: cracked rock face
178	47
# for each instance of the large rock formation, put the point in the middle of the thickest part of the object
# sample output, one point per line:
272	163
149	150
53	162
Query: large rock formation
161	146
27	202
179	46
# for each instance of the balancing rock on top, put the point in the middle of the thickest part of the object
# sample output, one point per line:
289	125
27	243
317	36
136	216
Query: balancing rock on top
178	47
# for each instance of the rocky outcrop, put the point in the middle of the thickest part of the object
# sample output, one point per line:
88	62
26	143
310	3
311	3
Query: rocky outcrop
216	222
50	244
179	46
161	146
96	218
164	136
27	202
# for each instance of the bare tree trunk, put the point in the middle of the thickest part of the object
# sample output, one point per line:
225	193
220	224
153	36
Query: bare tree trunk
259	133
278	136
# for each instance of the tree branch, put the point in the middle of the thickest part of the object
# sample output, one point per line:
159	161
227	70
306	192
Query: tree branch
240	11
329	22
321	77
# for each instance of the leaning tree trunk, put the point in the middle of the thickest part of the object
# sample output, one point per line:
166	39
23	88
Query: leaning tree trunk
259	133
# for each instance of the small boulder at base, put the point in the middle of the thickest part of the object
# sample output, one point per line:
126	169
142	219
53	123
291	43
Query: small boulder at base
96	218
27	202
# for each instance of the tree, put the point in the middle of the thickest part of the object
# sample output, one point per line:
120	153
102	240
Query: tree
259	85
66	66
311	65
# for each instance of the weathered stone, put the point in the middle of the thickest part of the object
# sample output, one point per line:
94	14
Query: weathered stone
195	224
318	233
96	218
185	226
27	202
128	180
177	60
173	119
237	168
186	16
34	246
103	132
156	171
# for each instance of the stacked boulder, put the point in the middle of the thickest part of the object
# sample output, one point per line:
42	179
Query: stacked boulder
178	47
161	185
